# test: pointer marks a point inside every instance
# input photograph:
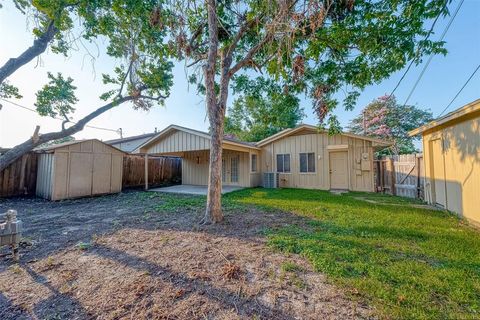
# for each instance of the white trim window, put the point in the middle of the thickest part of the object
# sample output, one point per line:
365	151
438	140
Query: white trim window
253	167
307	162
283	163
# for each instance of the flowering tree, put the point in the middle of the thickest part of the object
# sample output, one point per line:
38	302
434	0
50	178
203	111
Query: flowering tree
384	118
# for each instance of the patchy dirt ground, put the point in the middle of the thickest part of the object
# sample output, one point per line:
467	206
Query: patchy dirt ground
139	255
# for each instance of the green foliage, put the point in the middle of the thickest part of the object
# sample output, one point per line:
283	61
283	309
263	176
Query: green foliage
9	91
407	262
57	97
314	47
261	109
139	44
384	118
143	69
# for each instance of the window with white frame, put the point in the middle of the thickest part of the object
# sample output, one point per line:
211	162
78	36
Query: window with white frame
307	162
283	163
254	163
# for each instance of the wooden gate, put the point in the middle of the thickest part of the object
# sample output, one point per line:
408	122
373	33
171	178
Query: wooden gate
400	175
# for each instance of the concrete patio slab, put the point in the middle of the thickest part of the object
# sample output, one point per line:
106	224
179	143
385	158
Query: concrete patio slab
191	189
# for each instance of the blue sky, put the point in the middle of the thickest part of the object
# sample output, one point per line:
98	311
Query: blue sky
442	80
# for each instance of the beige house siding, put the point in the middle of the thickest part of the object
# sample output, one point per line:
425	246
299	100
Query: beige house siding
457	154
178	141
321	144
193	146
195	167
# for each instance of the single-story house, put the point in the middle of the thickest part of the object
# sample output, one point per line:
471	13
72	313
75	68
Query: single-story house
451	153
302	157
129	144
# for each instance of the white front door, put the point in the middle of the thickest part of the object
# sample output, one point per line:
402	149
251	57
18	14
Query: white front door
338	170
230	169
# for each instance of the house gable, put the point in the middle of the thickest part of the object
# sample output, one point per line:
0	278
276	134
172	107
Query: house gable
176	139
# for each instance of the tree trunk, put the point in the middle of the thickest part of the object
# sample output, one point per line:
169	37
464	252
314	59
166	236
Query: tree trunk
39	46
214	204
213	212
16	152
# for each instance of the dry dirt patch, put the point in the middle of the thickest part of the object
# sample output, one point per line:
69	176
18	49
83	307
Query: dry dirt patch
140	274
159	265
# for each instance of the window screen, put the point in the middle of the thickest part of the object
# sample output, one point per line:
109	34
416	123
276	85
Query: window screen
307	162
283	163
254	163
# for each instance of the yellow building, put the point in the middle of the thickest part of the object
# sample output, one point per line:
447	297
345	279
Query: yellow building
451	149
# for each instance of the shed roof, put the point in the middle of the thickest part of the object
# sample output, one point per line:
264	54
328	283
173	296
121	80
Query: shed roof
131	138
203	134
456	116
52	147
314	129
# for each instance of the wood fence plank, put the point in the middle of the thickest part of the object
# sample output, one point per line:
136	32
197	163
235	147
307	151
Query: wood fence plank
400	175
161	171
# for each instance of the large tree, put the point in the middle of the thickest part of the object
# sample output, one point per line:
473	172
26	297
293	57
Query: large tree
317	47
142	75
385	118
261	108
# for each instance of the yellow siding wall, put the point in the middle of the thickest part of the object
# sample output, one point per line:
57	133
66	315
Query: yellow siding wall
359	180
461	157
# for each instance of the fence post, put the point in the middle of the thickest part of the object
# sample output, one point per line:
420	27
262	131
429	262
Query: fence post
417	164
146	171
392	176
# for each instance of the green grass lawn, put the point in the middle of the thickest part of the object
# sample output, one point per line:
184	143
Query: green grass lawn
409	263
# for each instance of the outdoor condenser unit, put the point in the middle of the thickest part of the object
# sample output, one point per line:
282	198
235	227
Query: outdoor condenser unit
270	180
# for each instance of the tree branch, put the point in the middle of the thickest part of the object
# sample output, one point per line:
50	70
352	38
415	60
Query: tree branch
10	156
249	56
39	46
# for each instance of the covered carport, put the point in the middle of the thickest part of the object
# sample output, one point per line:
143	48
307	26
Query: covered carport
193	147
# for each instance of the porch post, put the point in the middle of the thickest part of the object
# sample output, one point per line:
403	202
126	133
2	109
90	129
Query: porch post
146	171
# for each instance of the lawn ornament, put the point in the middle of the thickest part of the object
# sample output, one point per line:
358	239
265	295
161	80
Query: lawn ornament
11	232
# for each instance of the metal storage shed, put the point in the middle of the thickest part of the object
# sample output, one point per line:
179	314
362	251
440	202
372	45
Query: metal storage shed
78	169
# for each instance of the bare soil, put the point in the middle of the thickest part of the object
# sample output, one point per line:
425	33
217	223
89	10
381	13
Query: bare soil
124	257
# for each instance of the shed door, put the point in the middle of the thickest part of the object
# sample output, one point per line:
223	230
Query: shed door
338	170
102	171
80	182
438	172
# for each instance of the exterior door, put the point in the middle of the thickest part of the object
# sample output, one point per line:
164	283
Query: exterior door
230	169
224	170
234	169
438	172
102	172
338	170
81	167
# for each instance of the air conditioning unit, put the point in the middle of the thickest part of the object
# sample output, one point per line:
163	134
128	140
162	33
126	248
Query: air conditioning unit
271	180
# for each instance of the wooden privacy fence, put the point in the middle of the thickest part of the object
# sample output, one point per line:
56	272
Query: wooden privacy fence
161	171
400	175
19	178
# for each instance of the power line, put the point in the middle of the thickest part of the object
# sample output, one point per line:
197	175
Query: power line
33	110
461	89
418	51
431	56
